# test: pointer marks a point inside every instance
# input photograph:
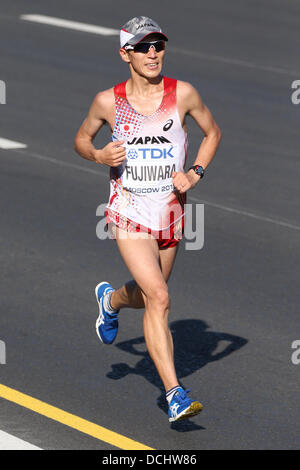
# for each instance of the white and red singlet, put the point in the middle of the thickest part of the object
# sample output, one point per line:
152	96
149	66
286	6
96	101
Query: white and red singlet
141	188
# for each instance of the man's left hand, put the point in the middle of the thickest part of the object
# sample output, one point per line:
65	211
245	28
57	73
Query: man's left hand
184	181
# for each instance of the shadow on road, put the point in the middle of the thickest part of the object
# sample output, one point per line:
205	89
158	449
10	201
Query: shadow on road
194	347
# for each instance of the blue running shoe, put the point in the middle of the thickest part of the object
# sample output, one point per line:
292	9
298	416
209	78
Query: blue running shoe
182	407
107	323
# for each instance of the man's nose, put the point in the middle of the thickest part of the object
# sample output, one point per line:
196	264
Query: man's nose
152	52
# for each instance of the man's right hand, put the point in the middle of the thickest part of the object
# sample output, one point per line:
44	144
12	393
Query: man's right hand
113	154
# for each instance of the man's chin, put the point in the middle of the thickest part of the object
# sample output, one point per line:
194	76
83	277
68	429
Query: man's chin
153	74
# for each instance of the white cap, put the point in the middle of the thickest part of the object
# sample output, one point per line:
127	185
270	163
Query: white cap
136	29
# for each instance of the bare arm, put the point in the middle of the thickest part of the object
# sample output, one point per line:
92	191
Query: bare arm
100	113
194	106
203	117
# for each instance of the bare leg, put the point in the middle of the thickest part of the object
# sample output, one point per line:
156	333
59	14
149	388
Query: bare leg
143	260
130	294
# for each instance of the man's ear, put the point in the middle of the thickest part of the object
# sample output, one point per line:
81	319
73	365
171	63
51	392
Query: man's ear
124	55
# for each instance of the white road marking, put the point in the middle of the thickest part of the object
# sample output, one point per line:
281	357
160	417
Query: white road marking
246	213
89	28
61	23
10	144
201	201
230	61
9	442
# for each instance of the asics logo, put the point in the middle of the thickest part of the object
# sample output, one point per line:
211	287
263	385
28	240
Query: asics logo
100	319
174	409
168	125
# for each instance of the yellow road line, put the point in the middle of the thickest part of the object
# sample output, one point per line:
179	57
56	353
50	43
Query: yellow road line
71	420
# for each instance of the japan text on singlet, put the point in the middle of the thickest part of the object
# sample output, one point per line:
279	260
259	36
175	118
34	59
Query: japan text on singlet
141	188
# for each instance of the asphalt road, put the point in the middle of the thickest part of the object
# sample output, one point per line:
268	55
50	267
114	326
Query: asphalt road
235	303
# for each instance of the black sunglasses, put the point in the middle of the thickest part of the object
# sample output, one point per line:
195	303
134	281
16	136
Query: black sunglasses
145	46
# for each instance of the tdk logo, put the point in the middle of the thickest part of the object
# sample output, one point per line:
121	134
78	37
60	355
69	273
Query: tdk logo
132	154
150	153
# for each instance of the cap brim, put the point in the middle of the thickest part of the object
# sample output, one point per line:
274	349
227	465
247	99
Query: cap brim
139	37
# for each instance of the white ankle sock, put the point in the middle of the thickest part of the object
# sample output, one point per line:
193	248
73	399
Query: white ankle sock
170	393
107	304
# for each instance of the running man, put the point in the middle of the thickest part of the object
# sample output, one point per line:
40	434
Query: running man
148	185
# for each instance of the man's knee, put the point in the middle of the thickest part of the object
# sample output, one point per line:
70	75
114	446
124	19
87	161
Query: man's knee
158	297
